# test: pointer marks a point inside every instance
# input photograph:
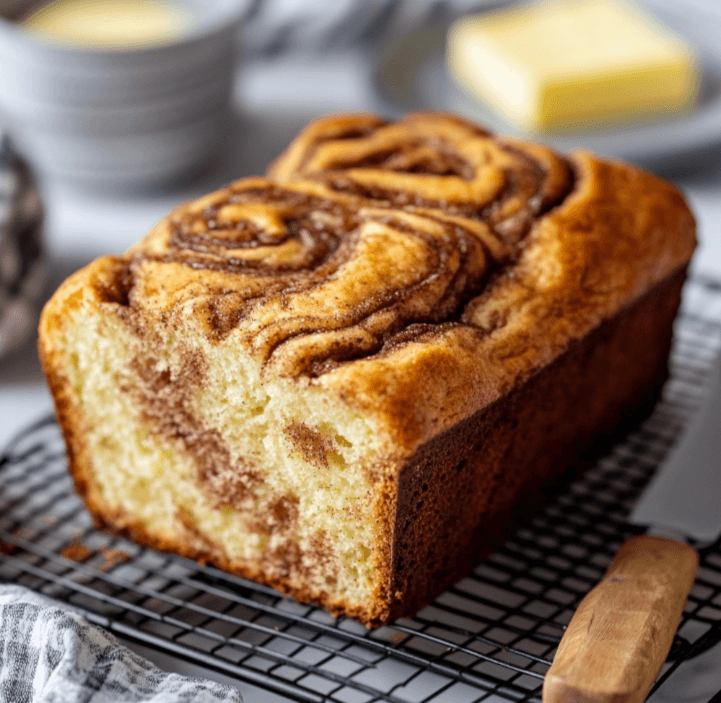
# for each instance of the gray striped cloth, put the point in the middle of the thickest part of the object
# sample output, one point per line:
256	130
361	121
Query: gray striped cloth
52	655
278	27
22	267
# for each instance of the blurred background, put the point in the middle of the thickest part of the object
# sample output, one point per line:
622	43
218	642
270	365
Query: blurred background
114	111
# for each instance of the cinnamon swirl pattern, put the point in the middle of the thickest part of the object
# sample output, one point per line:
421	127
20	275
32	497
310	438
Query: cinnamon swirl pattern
431	160
308	277
364	234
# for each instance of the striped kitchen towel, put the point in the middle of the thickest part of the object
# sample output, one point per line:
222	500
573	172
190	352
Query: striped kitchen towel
52	655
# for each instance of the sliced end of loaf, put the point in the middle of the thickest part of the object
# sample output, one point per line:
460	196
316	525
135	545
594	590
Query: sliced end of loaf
180	443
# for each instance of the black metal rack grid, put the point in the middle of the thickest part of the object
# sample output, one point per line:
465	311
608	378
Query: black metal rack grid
492	636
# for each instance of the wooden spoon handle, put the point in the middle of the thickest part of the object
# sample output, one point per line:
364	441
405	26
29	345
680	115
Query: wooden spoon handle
620	636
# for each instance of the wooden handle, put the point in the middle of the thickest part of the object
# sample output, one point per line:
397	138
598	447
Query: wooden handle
619	638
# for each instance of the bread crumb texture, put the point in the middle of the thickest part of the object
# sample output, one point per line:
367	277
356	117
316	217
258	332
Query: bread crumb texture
189	441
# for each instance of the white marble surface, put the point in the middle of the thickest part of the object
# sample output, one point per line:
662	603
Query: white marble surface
274	101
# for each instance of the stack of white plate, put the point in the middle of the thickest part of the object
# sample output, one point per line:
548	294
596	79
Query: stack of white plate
129	116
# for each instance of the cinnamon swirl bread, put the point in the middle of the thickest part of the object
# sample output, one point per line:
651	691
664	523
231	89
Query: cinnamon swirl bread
340	380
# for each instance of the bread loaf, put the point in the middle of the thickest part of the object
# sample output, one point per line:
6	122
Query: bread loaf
343	378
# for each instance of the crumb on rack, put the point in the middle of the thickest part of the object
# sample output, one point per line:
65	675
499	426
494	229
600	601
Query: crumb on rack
8	548
76	552
112	557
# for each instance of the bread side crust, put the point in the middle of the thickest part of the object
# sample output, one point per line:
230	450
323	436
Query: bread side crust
468	489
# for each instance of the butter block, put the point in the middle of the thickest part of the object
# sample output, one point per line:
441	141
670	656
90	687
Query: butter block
573	64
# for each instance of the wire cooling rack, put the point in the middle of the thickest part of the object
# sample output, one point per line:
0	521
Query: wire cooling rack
491	637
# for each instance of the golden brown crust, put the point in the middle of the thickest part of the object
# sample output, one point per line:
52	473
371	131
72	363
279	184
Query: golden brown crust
316	285
617	234
434	278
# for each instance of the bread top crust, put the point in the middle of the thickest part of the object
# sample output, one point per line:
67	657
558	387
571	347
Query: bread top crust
431	160
618	233
415	310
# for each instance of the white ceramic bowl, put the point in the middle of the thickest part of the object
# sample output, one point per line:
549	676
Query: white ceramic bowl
122	117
